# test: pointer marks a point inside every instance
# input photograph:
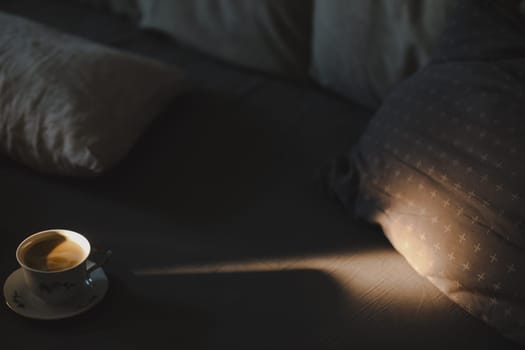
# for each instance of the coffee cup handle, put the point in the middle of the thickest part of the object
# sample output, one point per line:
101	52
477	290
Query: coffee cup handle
102	262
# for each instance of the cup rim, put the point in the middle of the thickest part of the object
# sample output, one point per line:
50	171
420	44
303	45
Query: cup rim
65	232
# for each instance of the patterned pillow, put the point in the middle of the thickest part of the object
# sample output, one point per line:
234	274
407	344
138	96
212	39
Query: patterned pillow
441	166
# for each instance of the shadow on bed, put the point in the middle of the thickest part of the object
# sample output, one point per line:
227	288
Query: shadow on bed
297	308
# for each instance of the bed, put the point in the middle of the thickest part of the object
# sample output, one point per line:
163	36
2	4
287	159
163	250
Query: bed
220	233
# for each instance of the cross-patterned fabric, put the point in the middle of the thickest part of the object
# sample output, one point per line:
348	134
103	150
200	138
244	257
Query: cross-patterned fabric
441	166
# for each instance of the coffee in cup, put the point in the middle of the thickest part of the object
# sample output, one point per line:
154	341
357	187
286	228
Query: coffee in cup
52	252
54	264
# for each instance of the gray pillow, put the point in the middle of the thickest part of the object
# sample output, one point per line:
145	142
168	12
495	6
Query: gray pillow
441	165
361	48
271	35
71	107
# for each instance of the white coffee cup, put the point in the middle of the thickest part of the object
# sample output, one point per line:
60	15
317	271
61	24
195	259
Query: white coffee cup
67	253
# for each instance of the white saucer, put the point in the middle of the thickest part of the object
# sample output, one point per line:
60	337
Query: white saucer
24	303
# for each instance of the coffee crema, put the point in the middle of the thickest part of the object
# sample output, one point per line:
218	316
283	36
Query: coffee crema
52	253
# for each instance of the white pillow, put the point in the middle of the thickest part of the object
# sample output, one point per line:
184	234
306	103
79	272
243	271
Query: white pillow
71	107
361	49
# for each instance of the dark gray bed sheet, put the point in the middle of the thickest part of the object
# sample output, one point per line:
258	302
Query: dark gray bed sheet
220	237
